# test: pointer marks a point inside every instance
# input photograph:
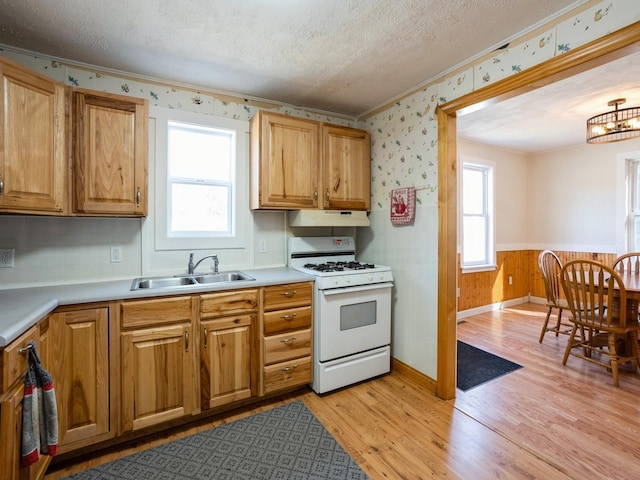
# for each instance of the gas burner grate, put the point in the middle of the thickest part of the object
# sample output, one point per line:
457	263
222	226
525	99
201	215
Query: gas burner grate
338	266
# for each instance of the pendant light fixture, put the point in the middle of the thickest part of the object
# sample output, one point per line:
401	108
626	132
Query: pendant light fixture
620	124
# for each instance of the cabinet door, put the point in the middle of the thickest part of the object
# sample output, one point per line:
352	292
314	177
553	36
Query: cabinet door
81	365
158	382
226	360
284	162
33	142
346	168
11	439
109	154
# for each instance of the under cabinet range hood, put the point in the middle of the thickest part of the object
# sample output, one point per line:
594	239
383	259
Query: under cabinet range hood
328	218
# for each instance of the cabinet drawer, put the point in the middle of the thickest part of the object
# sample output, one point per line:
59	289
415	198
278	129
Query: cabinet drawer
287	374
146	313
286	346
228	303
14	362
286	296
287	320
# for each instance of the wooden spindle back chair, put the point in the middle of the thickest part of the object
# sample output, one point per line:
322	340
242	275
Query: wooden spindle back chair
550	267
598	301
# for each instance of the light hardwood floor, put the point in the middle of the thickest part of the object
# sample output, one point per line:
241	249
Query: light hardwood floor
544	421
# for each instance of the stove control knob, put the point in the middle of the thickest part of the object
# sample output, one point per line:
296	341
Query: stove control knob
371	277
347	280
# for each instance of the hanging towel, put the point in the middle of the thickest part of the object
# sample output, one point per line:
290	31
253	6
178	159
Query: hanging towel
403	205
39	412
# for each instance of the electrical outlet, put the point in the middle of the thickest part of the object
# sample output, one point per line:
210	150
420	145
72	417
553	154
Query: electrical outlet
510	280
6	257
116	254
262	246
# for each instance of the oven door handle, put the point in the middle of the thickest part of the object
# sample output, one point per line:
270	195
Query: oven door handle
359	288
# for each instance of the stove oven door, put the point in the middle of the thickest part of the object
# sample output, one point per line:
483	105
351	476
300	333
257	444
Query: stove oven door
352	320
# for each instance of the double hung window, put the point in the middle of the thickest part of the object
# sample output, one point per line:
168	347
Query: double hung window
477	215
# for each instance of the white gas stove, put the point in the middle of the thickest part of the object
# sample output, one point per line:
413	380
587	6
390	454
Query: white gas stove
332	260
352	311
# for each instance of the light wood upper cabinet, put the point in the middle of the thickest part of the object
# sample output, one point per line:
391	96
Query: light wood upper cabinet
80	366
284	162
33	142
346	168
298	163
109	154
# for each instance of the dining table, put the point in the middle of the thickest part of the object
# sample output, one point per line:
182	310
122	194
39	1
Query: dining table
631	282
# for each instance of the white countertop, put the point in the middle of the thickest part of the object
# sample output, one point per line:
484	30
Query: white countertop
20	308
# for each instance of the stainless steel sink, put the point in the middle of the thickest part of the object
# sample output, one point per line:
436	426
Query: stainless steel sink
223	277
155	283
162	282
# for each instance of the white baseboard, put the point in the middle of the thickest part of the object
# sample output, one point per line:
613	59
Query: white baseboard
498	306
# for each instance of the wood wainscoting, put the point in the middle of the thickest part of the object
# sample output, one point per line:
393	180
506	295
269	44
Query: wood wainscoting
479	289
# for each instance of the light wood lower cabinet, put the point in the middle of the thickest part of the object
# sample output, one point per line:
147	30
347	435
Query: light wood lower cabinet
158	361
228	353
80	368
286	337
14	367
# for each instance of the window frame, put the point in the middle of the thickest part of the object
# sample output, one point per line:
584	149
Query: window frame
488	194
239	235
633	200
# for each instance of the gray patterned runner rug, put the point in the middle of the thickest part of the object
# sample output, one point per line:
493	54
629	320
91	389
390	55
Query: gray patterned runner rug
284	443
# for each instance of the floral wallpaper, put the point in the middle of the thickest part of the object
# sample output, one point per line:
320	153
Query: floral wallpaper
163	95
404	136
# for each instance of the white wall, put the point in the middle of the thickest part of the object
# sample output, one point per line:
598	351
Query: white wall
511	192
573	197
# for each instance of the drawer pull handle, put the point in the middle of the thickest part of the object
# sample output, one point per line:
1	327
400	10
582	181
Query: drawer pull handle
291	316
25	349
138	197
289	369
186	340
287	341
205	337
288	293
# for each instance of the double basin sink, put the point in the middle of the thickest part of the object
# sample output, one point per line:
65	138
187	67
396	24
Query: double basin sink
155	283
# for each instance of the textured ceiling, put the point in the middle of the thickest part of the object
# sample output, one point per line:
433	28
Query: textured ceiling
341	56
555	116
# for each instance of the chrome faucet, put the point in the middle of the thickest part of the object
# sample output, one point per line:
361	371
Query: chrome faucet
191	267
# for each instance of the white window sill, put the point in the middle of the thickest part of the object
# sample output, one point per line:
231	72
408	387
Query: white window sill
479	268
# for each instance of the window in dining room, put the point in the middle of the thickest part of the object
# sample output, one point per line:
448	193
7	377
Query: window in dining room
477	215
633	205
